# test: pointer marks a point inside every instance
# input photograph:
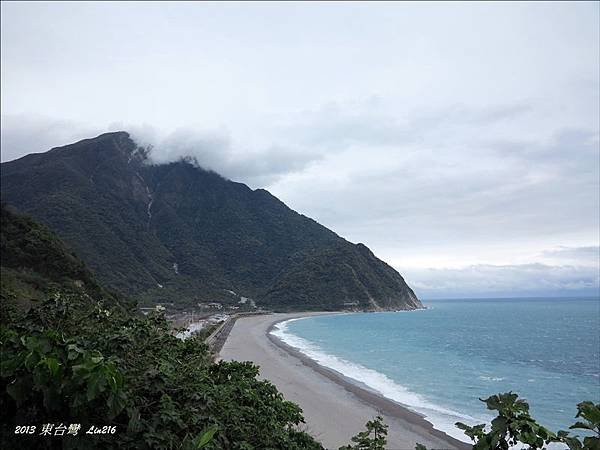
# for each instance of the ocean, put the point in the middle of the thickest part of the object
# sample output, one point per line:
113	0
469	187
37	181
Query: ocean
440	360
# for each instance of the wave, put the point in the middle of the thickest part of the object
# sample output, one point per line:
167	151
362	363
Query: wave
441	418
488	378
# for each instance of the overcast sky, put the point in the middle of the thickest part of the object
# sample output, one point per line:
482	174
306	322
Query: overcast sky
459	141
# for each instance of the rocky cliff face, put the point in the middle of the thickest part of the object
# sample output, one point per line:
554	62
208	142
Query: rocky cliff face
180	234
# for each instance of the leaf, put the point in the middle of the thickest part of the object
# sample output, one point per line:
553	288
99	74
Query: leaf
589	412
31	360
73	351
116	402
207	436
95	385
583	425
134	420
500	423
573	443
591	443
462	426
53	365
19	390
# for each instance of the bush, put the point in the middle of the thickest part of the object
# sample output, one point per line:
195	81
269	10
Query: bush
373	438
514	426
76	361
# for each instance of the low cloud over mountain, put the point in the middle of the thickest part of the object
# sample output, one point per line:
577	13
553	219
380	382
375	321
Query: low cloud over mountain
437	147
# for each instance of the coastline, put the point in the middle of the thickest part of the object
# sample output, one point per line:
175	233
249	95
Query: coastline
335	407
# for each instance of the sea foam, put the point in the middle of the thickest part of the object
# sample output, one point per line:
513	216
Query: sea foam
441	418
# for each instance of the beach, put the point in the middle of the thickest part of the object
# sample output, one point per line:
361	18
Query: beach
335	409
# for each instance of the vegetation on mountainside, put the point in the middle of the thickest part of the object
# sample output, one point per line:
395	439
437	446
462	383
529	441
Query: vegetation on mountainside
73	358
177	233
346	275
35	261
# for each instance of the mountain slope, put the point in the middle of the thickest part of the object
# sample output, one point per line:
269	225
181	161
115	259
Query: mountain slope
35	262
178	233
73	353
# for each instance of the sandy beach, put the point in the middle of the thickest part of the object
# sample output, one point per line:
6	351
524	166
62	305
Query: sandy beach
334	408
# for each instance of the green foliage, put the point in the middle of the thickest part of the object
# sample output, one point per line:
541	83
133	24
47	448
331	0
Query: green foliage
342	273
45	369
514	427
590	415
373	438
71	361
204	438
35	262
76	356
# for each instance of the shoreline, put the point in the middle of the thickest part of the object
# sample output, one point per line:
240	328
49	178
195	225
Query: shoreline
387	406
335	407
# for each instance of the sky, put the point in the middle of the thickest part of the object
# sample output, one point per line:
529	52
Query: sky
459	141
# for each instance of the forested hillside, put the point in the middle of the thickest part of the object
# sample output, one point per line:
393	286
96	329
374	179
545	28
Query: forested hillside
35	262
72	357
178	233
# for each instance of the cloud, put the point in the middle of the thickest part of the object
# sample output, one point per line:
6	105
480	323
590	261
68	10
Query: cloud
214	150
210	149
437	142
466	167
589	255
33	133
505	281
377	121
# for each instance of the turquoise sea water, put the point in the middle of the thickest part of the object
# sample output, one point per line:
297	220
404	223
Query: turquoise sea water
438	361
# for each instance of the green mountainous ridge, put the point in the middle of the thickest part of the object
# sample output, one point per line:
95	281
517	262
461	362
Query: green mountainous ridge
75	353
176	233
36	263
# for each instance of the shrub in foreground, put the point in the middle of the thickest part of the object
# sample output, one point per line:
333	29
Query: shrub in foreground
515	428
75	361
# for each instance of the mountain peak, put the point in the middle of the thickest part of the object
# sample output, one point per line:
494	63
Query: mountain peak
114	137
176	233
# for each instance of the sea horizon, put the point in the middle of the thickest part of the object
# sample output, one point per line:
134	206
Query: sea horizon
532	297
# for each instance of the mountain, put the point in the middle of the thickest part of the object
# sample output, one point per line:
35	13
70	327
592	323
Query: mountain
74	353
35	263
177	233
